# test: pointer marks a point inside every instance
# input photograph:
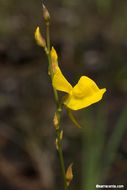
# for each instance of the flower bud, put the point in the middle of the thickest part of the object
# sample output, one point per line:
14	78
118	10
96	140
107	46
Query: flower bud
56	143
46	14
61	135
39	39
69	174
56	121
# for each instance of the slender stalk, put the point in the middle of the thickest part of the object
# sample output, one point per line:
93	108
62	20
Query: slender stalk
48	35
60	152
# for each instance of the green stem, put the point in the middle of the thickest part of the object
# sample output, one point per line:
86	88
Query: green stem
60	152
48	35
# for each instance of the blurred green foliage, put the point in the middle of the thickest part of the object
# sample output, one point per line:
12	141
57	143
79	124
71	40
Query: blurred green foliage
100	149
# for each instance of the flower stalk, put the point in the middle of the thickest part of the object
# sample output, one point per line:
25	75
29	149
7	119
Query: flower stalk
58	112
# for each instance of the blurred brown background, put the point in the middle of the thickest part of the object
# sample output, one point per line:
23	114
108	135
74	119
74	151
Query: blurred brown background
90	37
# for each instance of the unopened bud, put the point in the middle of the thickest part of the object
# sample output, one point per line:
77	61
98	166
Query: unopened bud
39	39
46	14
69	174
61	135
56	143
56	121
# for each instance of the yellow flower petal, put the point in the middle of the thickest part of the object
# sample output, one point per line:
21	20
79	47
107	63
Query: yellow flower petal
60	83
54	56
84	93
85	87
54	59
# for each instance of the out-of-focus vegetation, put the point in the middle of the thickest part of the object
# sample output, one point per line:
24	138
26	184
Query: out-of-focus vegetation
100	148
91	39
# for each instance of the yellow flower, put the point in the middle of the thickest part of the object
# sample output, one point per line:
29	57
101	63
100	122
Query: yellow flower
83	94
